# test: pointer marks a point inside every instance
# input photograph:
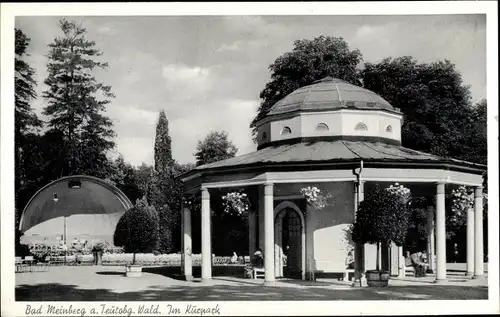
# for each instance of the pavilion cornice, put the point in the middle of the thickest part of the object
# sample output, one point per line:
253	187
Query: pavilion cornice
369	174
263	167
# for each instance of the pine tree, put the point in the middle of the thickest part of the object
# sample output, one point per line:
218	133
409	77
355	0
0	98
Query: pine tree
74	106
26	122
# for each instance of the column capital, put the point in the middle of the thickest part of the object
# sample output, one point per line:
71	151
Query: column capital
478	191
268	189
205	194
440	187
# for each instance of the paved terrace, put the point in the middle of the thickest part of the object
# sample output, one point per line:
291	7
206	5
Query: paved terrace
108	283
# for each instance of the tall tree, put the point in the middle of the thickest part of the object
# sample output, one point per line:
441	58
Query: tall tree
215	147
476	148
435	102
163	147
123	177
26	120
77	103
26	123
142	177
310	60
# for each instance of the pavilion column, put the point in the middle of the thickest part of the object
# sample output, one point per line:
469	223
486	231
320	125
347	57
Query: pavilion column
260	219
252	234
187	244
359	252
206	263
440	233
470	241
478	233
269	233
430	238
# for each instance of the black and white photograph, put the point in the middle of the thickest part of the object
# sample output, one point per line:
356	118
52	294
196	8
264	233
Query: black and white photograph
249	158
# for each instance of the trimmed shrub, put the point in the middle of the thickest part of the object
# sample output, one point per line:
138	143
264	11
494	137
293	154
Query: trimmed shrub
382	217
137	230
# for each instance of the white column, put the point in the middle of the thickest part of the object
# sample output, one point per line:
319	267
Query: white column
206	263
359	251
260	224
478	232
402	264
440	233
183	253
269	233
470	241
430	238
252	224
187	244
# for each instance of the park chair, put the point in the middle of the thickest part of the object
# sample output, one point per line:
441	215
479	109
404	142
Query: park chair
29	262
259	272
19	264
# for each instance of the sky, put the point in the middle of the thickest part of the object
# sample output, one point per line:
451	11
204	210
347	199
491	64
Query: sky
206	72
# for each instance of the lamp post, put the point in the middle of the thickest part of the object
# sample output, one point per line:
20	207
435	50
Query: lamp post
56	199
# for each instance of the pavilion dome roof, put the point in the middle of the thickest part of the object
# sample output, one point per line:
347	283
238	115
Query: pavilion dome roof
330	94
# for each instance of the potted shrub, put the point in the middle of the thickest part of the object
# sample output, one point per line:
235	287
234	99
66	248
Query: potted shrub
382	217
137	231
97	251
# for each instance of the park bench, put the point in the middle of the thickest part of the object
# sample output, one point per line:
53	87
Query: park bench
343	274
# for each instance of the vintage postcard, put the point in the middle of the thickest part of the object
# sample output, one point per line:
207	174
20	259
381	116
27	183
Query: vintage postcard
201	159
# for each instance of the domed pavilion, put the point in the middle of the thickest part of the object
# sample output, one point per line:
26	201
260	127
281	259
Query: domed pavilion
74	207
343	140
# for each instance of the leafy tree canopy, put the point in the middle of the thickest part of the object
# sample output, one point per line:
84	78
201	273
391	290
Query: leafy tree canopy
438	116
382	217
215	147
310	60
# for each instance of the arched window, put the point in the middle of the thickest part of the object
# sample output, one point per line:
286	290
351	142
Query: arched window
322	127
361	127
388	129
286	130
264	136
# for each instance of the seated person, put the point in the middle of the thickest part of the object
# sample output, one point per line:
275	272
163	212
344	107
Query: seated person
258	259
234	258
418	264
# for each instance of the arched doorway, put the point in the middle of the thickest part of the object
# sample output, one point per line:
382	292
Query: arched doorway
289	237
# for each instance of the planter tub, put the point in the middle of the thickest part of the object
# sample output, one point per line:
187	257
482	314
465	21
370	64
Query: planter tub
377	278
134	271
97	257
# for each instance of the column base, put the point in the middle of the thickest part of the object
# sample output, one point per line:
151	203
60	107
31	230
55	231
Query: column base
270	283
439	281
469	274
360	283
206	279
477	277
188	278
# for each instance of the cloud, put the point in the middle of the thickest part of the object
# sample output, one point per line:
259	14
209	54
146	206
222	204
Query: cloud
232	116
207	72
185	74
235	46
106	30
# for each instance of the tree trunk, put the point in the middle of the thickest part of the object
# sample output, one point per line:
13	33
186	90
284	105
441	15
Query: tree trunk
133	260
378	256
